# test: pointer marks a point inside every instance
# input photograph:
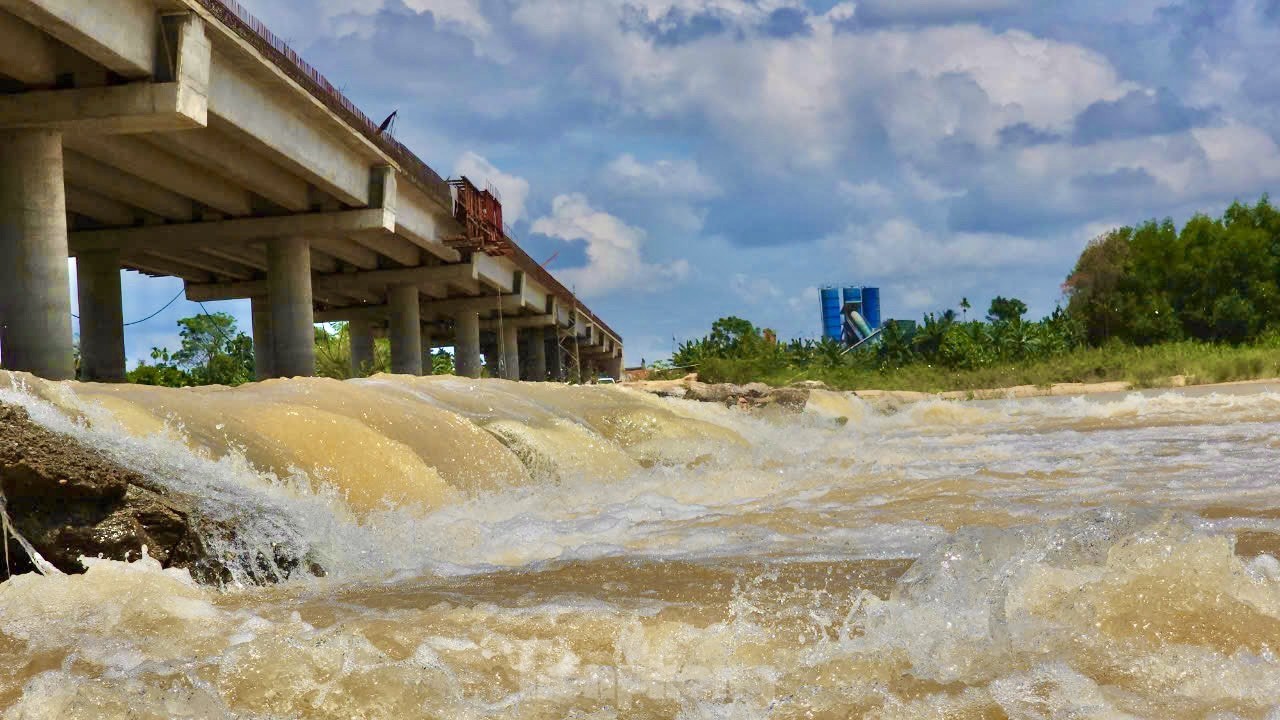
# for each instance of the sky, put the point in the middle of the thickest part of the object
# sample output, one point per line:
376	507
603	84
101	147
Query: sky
685	160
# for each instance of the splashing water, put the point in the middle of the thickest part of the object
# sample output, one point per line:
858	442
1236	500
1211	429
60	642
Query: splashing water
536	551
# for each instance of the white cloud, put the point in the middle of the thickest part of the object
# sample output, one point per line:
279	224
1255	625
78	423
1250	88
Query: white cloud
681	178
614	257
514	190
754	290
867	195
804	303
900	248
803	101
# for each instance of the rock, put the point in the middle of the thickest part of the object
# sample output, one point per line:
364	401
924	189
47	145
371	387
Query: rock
792	398
71	501
810	385
720	393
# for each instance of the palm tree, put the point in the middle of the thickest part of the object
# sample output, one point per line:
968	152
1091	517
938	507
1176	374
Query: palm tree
964	308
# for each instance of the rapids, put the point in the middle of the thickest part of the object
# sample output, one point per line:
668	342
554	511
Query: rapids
501	550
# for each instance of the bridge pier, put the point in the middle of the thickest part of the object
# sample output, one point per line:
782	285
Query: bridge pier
360	335
101	316
428	344
406	330
35	294
510	349
263	367
537	338
466	341
292	312
554	355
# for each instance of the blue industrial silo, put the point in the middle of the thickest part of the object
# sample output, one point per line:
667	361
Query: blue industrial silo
852	295
871	306
831	313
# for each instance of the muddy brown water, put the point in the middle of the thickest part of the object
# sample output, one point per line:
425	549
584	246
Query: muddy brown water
498	550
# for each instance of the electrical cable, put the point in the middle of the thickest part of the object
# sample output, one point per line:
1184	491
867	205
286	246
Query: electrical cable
152	315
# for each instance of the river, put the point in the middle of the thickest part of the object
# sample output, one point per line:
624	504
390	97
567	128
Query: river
499	550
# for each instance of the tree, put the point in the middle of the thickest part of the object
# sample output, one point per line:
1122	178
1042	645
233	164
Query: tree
213	352
1006	310
964	308
442	364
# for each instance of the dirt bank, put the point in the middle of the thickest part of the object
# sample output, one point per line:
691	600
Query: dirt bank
70	501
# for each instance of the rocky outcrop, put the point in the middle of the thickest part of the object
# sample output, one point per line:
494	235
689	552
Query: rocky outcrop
70	501
753	396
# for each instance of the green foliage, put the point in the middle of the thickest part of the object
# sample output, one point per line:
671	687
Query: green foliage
213	352
442	363
1216	280
1005	309
736	351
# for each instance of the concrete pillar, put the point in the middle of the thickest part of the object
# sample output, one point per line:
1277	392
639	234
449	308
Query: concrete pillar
35	293
360	333
428	366
466	344
264	368
554	355
538	355
293	330
616	368
101	316
510	349
406	330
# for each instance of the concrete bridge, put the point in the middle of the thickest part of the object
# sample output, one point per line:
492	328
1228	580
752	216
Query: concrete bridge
181	138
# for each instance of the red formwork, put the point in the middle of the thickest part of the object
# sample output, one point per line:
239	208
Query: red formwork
480	214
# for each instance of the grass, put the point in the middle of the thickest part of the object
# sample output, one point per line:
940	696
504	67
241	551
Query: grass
1144	367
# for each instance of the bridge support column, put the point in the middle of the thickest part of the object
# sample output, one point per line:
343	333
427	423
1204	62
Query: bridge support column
616	368
537	339
428	344
466	344
554	355
510	349
101	316
262	342
360	335
406	330
35	293
293	329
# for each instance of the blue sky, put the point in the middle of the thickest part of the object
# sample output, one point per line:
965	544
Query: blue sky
690	159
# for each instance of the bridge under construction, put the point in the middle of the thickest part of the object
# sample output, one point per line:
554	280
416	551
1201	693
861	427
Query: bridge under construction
181	138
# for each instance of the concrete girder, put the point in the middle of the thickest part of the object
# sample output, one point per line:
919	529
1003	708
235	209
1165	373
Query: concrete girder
523	323
495	273
205	261
120	109
120	34
26	54
483	304
246	255
240	230
390	245
346	251
99	208
289	136
153	265
109	182
136	157
322	262
343	282
241	165
416	221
